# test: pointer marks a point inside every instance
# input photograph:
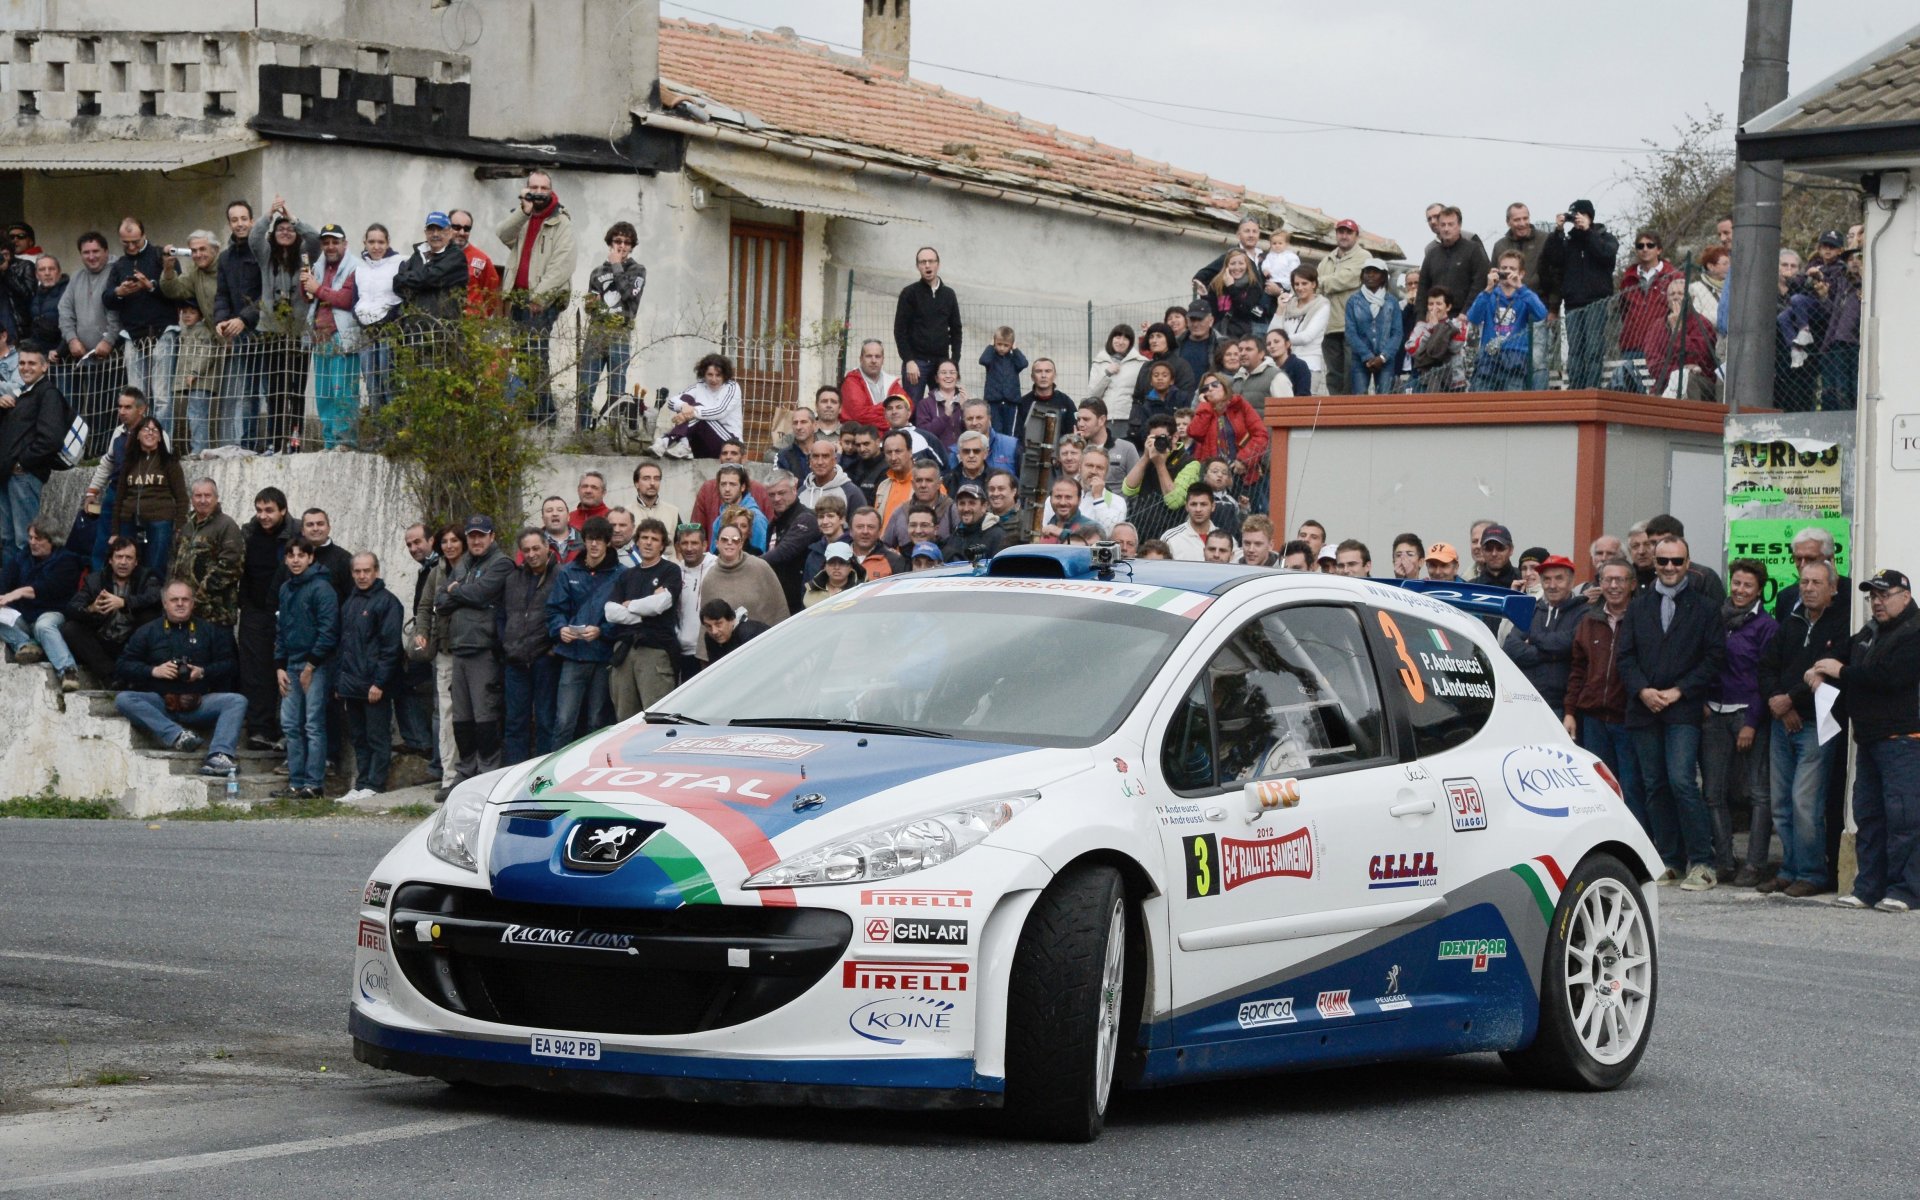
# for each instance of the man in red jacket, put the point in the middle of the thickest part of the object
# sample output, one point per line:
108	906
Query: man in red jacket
483	278
864	392
592	490
1643	295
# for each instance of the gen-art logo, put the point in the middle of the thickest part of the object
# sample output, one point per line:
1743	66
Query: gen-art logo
895	1019
914	931
1256	1013
1544	780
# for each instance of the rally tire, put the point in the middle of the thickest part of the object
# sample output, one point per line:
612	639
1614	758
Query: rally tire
1068	1018
1598	984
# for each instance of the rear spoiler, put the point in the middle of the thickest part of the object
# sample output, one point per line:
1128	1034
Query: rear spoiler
1480	599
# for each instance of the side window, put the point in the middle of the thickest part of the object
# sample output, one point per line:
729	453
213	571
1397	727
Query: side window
1292	692
1447	678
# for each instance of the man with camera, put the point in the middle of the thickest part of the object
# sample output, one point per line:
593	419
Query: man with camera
1578	263
538	235
1156	487
176	670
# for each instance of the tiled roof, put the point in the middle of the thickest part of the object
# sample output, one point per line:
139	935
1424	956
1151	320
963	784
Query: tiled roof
1884	87
776	86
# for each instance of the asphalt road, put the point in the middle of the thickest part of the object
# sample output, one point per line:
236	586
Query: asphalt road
207	966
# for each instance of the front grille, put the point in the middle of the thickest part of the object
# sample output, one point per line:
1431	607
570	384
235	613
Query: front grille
626	971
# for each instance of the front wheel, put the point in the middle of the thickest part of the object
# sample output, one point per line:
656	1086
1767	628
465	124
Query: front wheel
1597	985
1067	1008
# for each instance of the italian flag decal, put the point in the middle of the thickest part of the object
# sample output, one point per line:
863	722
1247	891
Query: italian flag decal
1545	880
1175	601
1440	639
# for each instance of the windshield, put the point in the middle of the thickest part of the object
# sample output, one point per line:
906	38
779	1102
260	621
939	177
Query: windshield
1040	670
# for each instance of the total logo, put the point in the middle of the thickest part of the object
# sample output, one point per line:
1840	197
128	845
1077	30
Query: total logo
756	790
1335	1004
916	932
1544	780
893	1020
1417	869
903	976
1256	1013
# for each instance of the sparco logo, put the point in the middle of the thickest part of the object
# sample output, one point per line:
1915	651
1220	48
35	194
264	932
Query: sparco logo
1255	1013
1542	779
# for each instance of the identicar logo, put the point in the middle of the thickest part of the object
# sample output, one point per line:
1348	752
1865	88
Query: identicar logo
1478	951
1544	780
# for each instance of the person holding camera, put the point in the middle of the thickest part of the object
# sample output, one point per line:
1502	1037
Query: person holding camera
175	670
613	301
1505	313
539	235
1579	258
147	318
1156	488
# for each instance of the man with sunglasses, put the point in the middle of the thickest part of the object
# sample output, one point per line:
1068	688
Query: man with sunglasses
1643	302
434	278
1672	645
483	278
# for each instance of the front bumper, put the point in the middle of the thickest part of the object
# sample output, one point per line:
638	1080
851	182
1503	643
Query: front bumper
895	1083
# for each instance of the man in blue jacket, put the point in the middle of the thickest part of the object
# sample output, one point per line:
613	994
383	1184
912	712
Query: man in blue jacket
1374	333
177	671
1672	644
367	666
577	626
306	635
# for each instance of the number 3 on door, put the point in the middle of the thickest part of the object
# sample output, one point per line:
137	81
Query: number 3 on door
1202	854
1409	673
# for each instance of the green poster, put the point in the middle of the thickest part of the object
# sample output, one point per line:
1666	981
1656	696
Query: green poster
1771	543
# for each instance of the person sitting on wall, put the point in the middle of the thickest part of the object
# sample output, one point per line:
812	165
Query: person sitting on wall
708	413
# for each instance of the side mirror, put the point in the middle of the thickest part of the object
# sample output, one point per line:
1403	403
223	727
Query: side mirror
1267	795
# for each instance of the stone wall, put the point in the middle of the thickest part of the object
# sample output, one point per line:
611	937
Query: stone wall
47	742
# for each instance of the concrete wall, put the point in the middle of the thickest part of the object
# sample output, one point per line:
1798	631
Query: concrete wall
45	740
1376	483
1890	412
1638	461
367	499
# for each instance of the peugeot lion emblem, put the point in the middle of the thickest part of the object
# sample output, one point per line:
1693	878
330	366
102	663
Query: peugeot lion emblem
603	843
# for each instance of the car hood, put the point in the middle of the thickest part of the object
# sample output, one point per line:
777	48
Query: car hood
710	806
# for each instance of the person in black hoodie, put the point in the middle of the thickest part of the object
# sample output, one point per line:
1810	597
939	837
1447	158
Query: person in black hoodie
1801	765
366	668
433	281
1578	259
1672	643
1879	684
236	311
32	427
531	676
260	576
791	533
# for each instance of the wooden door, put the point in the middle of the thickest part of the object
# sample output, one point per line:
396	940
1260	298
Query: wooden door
763	324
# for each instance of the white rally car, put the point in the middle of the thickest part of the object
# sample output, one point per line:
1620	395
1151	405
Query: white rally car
1015	834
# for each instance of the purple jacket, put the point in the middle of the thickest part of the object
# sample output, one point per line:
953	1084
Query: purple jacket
942	427
1739	681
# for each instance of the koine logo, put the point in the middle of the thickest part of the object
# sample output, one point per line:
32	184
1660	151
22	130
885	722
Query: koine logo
895	1019
1542	779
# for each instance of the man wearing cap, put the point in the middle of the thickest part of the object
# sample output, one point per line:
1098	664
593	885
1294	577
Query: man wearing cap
1879	682
972	537
433	281
469	601
483	278
1544	650
1375	329
329	288
1671	647
926	556
1197	346
1341	275
1443	563
1496	558
1577	263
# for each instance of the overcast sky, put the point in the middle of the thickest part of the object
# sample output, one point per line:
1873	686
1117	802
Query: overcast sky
1613	75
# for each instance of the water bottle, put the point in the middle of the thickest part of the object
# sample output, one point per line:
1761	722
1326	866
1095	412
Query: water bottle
233	784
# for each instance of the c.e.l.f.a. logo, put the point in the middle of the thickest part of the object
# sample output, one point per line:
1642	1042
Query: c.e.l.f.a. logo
1544	780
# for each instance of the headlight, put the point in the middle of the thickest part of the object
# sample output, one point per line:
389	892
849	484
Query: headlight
455	835
890	851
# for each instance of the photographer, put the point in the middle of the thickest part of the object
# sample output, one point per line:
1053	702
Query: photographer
1505	313
147	318
1156	487
175	669
539	235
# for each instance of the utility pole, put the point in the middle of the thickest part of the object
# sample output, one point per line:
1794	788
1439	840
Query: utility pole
1756	214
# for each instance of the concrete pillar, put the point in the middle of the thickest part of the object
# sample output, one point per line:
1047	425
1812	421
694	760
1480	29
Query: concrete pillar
886	35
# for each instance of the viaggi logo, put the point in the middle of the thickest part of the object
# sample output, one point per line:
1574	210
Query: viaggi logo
1544	780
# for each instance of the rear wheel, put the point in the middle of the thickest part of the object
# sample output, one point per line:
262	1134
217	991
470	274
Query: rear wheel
1597	986
1067	1012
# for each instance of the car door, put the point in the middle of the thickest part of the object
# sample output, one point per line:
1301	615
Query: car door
1287	708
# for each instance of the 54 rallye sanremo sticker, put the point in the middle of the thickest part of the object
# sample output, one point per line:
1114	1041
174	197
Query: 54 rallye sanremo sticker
1216	863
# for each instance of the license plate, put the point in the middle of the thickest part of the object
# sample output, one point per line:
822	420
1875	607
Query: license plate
550	1045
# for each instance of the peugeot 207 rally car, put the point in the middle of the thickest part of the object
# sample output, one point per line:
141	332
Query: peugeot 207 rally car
1015	834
